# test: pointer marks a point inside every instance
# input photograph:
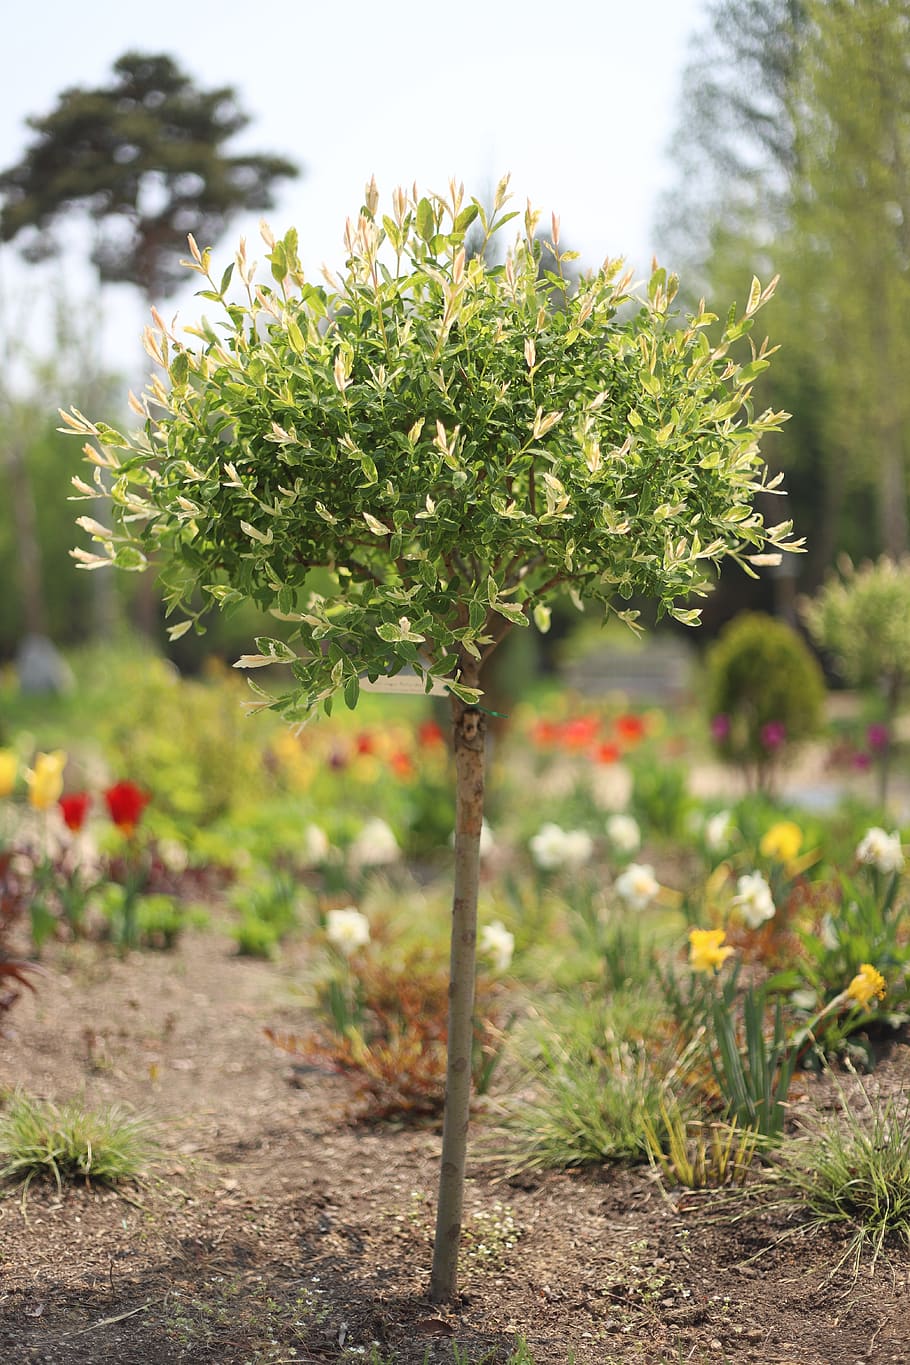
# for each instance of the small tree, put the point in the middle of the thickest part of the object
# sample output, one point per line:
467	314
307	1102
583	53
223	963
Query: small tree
454	451
862	617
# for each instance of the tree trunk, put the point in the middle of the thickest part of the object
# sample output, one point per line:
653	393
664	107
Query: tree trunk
470	736
893	497
28	545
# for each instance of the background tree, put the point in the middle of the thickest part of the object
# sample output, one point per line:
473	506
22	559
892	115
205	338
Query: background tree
454	452
144	158
792	150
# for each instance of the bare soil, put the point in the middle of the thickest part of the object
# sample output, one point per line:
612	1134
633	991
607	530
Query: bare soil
273	1230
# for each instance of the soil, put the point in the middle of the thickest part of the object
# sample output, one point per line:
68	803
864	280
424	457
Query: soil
274	1230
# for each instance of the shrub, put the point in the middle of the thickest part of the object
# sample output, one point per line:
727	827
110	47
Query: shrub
765	693
863	619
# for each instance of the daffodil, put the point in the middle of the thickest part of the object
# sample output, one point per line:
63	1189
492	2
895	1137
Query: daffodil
782	841
45	780
347	929
753	900
867	985
9	767
497	943
881	850
705	951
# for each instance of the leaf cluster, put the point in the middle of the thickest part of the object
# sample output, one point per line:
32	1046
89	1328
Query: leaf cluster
452	443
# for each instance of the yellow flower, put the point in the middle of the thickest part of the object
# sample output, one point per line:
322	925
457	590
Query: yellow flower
782	841
45	780
9	766
705	952
867	985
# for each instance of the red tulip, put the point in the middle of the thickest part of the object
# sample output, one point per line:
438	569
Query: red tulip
74	809
429	733
126	802
401	764
630	728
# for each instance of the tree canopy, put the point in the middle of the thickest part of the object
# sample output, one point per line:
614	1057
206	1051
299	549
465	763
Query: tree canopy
145	158
449	447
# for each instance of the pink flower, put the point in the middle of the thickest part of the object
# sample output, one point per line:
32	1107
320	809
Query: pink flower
773	734
720	728
877	738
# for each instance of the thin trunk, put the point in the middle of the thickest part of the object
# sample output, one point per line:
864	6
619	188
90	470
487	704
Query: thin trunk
28	545
470	737
893	497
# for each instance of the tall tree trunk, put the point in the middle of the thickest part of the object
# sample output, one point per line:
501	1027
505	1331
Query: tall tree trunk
893	497
470	738
28	545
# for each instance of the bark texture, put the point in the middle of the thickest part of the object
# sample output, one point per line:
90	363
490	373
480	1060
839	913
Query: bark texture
470	737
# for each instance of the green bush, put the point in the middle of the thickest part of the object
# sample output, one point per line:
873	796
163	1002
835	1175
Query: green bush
765	693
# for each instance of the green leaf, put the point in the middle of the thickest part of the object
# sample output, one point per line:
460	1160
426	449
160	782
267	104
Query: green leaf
466	218
352	692
426	219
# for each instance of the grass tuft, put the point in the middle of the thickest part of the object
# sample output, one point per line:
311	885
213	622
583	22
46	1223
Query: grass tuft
70	1143
855	1172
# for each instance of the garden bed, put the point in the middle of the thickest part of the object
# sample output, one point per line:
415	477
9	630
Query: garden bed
273	1230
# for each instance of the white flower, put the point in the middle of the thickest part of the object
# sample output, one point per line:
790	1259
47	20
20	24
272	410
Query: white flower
315	847
828	933
753	899
880	850
623	833
347	929
487	840
496	940
375	845
637	886
553	847
173	854
718	830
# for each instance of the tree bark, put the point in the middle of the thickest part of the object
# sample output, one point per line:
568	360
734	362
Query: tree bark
470	737
28	545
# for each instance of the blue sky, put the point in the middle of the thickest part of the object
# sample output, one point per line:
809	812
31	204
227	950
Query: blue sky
577	100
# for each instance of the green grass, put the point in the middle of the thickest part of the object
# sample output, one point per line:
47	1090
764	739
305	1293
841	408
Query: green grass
855	1173
69	1143
589	1105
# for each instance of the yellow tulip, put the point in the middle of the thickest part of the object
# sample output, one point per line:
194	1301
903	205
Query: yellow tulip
705	951
782	841
45	780
9	767
867	985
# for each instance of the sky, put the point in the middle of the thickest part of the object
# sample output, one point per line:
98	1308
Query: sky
577	101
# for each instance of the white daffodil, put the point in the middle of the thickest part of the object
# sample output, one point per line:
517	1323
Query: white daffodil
623	833
375	845
881	850
637	886
496	942
553	847
753	899
315	846
718	831
347	929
